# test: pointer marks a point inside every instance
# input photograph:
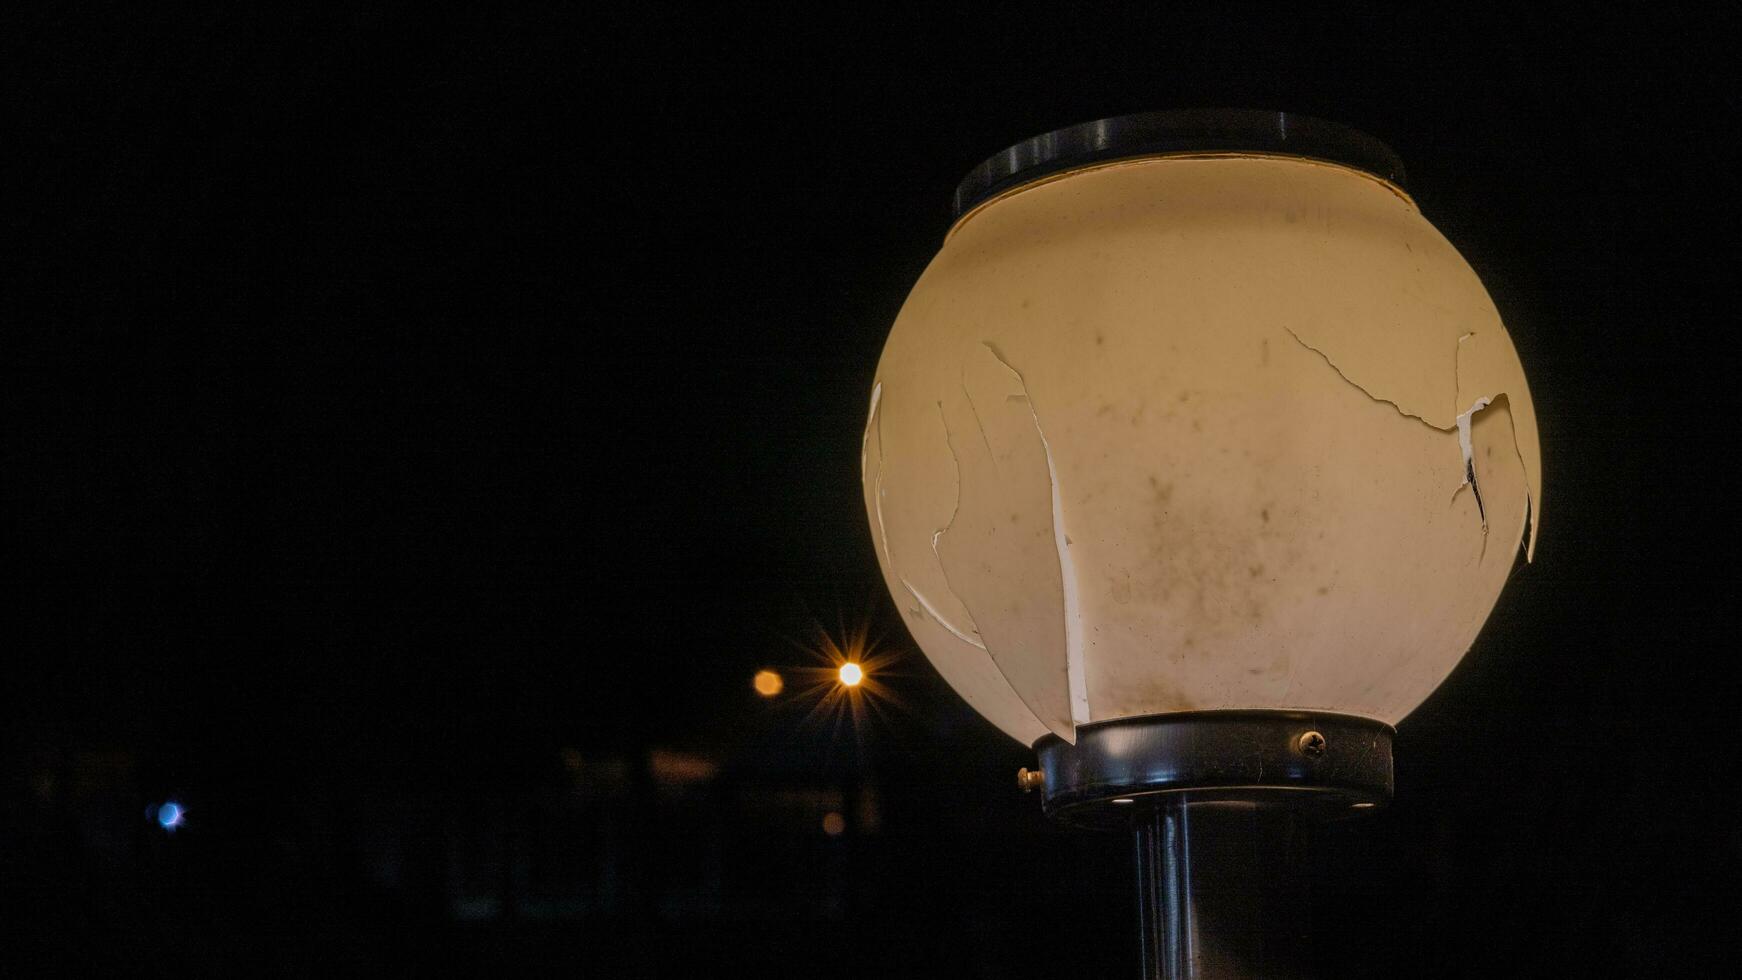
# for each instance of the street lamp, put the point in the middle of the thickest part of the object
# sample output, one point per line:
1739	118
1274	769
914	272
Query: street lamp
1196	459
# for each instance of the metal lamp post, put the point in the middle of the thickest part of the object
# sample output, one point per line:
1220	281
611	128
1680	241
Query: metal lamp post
1196	459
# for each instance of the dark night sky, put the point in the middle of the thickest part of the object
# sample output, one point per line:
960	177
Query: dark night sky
398	398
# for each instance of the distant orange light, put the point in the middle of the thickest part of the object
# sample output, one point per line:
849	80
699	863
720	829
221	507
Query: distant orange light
834	824
680	768
851	674
768	683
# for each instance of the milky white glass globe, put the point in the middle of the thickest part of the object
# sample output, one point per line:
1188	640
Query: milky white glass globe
1198	432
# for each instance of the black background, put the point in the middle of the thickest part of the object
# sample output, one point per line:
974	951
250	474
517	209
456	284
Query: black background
409	411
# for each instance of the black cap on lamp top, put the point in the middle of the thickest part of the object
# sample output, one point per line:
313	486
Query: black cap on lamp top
1180	131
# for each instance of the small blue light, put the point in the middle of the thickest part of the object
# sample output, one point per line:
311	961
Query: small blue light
169	816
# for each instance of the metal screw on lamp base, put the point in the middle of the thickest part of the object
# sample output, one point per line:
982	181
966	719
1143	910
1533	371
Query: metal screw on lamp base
1216	802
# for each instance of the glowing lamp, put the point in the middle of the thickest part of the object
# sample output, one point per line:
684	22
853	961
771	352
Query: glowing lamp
768	683
1196	459
851	674
171	816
